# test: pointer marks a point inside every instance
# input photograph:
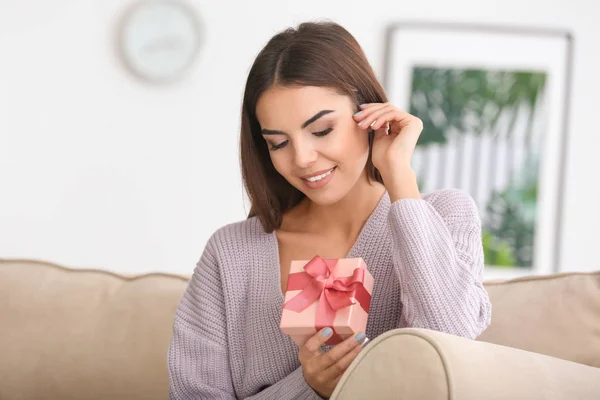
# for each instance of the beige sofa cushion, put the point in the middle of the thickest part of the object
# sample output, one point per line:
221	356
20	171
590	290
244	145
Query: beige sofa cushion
556	315
76	334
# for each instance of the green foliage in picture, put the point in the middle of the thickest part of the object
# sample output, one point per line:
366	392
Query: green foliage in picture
510	219
496	251
470	100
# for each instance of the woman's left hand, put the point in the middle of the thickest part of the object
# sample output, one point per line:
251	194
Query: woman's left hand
396	135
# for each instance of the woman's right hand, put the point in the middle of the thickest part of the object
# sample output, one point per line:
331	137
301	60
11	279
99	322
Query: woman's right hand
322	371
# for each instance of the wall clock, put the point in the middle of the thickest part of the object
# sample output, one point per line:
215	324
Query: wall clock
159	40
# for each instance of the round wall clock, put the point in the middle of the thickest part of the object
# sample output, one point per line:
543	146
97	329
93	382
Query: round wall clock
159	40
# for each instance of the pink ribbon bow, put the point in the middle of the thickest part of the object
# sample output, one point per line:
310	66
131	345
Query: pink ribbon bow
319	281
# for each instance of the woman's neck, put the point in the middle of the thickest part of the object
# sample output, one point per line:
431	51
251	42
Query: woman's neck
347	216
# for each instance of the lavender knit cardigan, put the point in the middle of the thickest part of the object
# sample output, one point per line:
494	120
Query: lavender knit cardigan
427	260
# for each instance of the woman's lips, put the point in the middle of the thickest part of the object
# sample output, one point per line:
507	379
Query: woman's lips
316	173
319	179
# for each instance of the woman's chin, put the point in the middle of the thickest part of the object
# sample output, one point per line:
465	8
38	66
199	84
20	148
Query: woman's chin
325	198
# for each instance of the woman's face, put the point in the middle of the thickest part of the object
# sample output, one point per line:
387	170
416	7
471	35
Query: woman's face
313	140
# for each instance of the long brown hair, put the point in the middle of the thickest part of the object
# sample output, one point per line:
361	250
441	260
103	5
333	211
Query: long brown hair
313	54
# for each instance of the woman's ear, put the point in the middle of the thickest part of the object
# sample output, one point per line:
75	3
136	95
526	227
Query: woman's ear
359	99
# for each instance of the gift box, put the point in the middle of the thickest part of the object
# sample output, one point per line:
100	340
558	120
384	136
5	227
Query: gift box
321	293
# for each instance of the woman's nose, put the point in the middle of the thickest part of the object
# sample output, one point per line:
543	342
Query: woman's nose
304	154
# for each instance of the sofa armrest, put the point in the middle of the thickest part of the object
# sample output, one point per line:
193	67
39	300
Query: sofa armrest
422	364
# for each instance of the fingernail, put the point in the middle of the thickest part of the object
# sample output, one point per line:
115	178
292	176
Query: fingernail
361	122
360	337
326	332
362	105
373	123
358	113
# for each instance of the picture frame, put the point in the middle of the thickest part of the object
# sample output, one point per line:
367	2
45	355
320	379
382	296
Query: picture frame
495	106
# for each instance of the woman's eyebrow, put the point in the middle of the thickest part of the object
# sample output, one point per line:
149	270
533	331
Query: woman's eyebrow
315	117
304	125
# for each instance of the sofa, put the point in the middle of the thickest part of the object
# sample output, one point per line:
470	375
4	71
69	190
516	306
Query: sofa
90	335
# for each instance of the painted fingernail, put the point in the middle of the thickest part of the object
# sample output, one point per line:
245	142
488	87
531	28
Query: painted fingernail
361	122
326	332
360	337
358	113
362	105
373	123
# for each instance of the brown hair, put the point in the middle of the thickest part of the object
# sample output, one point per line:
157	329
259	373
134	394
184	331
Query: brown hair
313	54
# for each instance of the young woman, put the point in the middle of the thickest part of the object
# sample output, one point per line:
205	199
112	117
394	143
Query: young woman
326	164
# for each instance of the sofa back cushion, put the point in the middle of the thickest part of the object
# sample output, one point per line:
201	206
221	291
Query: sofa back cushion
77	334
557	315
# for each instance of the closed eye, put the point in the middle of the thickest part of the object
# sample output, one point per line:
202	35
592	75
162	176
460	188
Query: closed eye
281	145
323	133
274	147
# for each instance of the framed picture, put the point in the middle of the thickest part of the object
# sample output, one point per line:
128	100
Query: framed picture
494	103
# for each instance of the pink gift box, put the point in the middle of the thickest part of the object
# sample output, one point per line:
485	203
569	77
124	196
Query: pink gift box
326	292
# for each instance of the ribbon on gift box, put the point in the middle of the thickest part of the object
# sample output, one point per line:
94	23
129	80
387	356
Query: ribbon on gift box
320	282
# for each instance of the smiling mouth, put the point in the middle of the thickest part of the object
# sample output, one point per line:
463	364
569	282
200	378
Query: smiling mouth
317	178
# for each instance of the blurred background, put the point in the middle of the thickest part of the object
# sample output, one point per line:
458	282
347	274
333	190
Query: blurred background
119	121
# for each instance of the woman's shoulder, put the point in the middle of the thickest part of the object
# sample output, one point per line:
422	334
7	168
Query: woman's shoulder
452	203
226	264
245	236
450	195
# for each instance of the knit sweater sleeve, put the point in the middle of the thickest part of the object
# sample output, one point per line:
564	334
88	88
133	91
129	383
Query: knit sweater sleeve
198	358
438	256
198	361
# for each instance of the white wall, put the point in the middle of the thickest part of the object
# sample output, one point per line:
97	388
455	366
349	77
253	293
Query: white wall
98	170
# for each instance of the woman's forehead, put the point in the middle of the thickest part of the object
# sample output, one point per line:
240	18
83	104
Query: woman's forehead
295	104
